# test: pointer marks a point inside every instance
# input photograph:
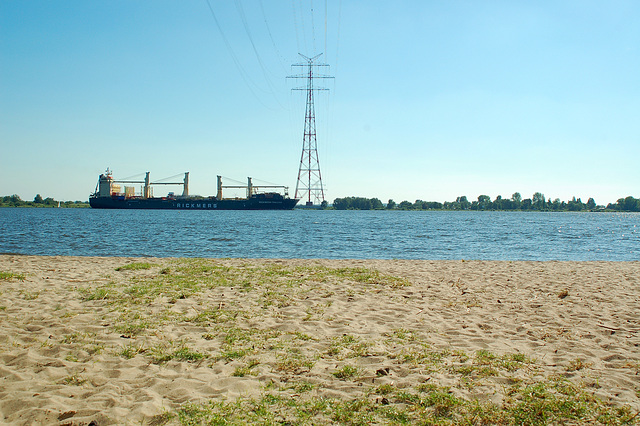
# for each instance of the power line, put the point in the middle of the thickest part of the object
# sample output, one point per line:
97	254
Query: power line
338	35
304	32
295	23
313	27
273	43
243	74
245	24
325	27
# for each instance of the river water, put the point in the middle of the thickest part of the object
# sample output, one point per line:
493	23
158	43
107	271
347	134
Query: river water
322	234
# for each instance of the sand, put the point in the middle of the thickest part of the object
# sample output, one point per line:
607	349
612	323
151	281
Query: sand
82	342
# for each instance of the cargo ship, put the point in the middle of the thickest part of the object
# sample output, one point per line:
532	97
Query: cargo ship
108	195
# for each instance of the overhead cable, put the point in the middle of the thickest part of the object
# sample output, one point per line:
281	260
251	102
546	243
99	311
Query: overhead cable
242	72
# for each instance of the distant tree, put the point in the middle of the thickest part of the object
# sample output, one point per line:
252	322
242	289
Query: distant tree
324	205
427	205
376	204
454	205
405	205
516	197
575	205
498	203
340	204
38	199
630	204
420	205
538	201
50	201
13	200
484	202
357	203
463	202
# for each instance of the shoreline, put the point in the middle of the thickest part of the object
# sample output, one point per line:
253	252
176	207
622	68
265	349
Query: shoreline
115	338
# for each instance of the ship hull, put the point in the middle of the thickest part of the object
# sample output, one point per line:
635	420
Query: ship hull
192	204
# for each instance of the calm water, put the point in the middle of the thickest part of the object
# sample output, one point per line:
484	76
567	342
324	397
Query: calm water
322	234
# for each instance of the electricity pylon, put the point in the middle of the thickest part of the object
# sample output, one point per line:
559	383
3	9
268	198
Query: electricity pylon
309	184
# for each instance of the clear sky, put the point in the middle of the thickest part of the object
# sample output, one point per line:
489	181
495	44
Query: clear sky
431	99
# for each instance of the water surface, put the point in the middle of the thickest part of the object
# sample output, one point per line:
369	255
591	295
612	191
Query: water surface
322	234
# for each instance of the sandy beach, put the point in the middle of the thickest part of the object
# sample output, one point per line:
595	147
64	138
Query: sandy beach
170	341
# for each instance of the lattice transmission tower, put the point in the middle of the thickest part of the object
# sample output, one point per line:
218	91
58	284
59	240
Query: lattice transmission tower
309	184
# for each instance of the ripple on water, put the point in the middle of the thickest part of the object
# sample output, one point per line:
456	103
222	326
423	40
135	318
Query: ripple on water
324	234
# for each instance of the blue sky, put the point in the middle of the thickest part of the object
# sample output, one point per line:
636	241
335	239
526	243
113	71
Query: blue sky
431	99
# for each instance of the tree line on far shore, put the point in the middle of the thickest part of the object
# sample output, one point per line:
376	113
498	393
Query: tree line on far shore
537	202
15	201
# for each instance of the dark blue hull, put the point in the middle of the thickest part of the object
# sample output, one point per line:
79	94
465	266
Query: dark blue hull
257	202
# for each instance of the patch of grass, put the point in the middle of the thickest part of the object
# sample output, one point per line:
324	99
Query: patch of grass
404	334
440	400
424	356
133	324
131	351
460	356
213	316
76	337
100	293
236	335
30	295
303	386
475	370
231	354
367	276
354	412
385	389
165	352
211	413
71	358
245	370
293	362
302	336
299	396
577	365
348	346
347	372
161	419
73	380
514	361
8	276
187	354
547	402
487	364
135	266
